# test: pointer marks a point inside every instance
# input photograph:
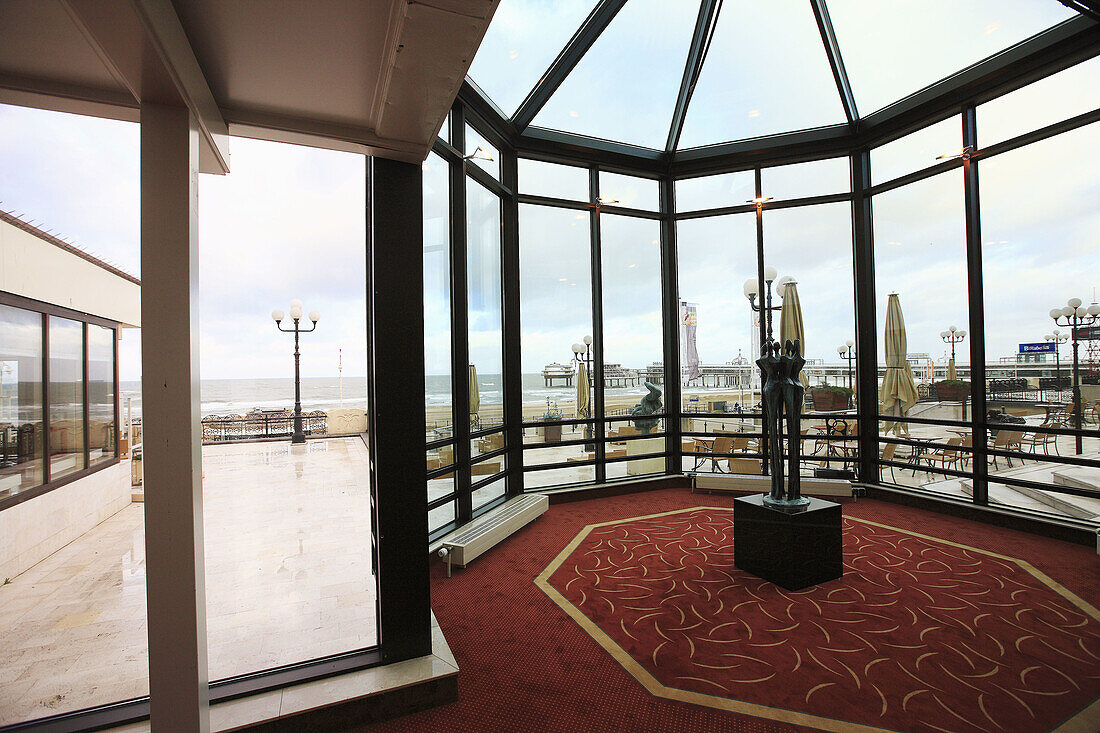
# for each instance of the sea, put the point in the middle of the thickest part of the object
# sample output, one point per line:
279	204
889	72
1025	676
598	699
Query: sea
238	396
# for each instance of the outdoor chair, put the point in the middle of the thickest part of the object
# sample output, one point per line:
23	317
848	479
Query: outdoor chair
750	466
888	452
1007	440
1034	440
945	456
722	444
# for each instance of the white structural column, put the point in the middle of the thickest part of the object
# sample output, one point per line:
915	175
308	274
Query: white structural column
175	576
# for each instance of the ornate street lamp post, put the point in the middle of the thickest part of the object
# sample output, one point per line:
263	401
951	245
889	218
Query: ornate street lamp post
1057	338
953	336
296	315
1076	316
847	353
582	354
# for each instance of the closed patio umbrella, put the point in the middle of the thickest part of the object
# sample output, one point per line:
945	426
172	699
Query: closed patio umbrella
951	374
899	392
584	401
475	398
790	322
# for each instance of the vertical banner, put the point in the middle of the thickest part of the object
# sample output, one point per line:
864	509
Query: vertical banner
688	322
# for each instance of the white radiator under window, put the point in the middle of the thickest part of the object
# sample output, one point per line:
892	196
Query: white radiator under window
486	531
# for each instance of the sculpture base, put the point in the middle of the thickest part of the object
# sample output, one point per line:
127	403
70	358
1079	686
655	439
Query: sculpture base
792	546
785	503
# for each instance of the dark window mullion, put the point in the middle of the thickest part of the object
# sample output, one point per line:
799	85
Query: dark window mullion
46	398
87	416
597	322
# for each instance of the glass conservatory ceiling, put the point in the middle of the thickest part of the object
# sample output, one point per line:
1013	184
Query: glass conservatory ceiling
756	68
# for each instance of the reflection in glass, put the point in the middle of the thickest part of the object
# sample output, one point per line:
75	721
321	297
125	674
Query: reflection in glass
551	179
760	48
441	516
600	96
437	299
817	178
629	191
893	49
559	477
481	153
522	41
66	396
484	306
712	192
20	400
101	394
916	151
632	327
1053	99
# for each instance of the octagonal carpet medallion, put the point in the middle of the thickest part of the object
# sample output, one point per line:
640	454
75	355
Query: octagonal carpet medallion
919	634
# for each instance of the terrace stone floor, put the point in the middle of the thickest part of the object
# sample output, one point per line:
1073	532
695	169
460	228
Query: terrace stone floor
288	578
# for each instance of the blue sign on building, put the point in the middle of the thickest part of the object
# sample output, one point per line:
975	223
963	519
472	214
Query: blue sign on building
1047	346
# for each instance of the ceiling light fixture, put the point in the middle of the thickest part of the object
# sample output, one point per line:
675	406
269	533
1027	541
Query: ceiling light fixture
604	201
964	152
759	200
479	154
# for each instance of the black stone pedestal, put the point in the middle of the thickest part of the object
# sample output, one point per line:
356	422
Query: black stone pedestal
794	547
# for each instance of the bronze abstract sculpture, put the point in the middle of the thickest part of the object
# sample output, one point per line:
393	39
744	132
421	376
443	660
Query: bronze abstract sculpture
650	405
783	401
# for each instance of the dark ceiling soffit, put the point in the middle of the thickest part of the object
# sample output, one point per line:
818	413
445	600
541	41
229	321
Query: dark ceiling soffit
1087	8
836	62
1059	47
586	150
790	147
600	17
692	69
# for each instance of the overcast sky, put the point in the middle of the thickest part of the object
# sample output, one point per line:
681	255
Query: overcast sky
289	221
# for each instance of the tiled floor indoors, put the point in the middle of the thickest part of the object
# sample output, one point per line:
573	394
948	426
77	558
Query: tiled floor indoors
288	578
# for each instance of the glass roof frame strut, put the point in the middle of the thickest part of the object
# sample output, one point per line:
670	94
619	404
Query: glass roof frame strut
1084	7
697	54
591	29
836	61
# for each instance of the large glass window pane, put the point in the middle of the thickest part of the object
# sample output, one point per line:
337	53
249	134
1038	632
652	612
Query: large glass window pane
101	394
21	443
816	178
485	494
484	306
916	151
1039	249
600	97
437	299
766	73
555	260
713	192
920	254
1053	99
630	191
632	316
893	49
66	396
287	527
826	291
522	41
550	179
715	256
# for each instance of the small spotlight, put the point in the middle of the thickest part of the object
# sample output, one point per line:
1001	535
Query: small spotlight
759	200
605	201
963	153
479	154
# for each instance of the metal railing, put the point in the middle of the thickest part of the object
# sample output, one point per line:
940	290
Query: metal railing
256	426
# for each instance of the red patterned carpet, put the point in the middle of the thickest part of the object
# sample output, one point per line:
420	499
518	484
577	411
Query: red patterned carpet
526	665
916	630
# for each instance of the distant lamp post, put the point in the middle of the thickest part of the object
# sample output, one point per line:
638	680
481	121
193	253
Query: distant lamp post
1077	317
847	353
1057	338
296	315
765	308
953	336
582	354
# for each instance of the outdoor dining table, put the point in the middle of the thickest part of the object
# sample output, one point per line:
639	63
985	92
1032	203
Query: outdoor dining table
920	450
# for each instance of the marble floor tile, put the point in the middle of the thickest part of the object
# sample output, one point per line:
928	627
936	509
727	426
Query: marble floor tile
288	578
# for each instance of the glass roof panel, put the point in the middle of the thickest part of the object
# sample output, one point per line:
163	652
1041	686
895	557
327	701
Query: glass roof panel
625	87
766	73
1053	99
630	192
893	49
523	39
